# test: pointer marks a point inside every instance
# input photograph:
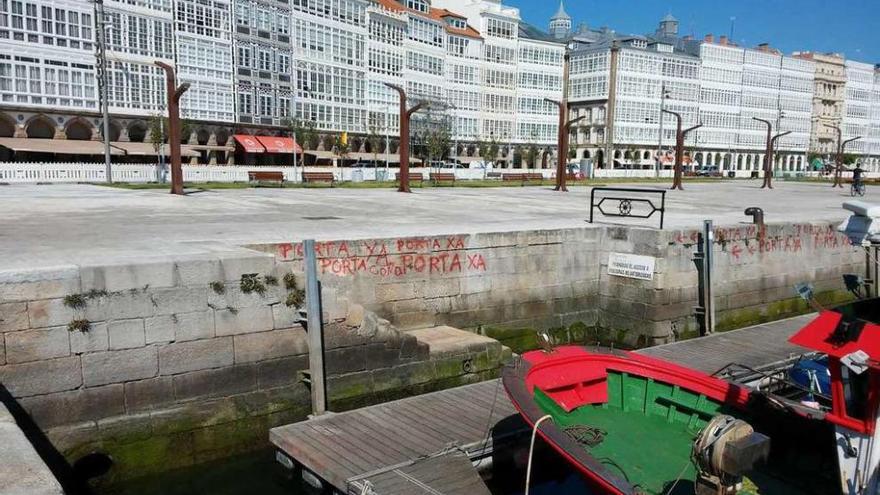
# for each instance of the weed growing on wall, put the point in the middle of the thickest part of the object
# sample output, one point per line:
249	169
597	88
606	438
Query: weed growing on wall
271	280
218	287
82	325
250	282
75	301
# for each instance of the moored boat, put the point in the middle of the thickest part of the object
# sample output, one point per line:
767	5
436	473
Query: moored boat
636	425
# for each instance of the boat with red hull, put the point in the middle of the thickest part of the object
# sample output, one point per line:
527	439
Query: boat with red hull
634	424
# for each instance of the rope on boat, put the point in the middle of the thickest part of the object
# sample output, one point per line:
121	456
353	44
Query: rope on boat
587	435
532	450
489	424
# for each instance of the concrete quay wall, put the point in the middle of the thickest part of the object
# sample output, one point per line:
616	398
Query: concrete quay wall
172	361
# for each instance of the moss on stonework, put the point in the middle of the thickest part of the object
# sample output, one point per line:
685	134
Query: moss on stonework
776	310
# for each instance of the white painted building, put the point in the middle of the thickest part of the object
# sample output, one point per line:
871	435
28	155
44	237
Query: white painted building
203	38
858	107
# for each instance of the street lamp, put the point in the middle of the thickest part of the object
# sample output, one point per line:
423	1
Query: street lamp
679	147
664	94
841	145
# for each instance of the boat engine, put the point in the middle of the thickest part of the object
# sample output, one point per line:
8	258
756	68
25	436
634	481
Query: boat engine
726	449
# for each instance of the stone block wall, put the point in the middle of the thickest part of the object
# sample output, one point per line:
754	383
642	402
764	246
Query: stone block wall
172	362
755	273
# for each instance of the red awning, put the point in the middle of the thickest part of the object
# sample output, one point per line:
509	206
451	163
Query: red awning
276	144
249	143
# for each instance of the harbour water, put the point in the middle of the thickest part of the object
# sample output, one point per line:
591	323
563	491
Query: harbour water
259	473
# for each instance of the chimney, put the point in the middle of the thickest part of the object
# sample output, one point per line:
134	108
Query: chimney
722	40
764	47
709	39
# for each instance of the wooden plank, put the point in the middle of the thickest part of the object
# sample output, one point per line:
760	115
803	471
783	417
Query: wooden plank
449	474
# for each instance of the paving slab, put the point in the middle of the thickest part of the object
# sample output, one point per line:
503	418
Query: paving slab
54	225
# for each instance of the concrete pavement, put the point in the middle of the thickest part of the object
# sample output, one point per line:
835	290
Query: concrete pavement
49	225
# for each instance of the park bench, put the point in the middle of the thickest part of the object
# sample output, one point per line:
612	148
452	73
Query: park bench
442	177
521	178
534	177
493	175
265	176
416	179
308	177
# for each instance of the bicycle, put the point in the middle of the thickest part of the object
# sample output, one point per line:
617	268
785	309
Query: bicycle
857	189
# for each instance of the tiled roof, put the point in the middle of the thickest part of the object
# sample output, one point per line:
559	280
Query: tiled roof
434	14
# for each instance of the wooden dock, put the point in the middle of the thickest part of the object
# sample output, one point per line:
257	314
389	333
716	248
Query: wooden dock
426	444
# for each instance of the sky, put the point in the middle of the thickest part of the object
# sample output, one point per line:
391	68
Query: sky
850	27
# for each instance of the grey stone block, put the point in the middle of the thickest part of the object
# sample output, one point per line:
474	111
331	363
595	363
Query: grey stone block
237	263
101	368
2	349
50	313
88	404
42	377
197	270
244	320
380	356
126	334
284	316
250	348
35	345
180	327
13	316
179	300
24	472
218	382
40	283
94	340
152	393
196	355
131	274
120	306
283	371
345	360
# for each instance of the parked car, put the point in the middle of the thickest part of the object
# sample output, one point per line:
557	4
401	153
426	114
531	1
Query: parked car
708	171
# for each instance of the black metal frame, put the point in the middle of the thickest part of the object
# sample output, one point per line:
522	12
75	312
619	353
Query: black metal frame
624	204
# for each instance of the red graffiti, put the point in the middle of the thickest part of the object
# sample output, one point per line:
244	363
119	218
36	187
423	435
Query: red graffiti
735	251
391	258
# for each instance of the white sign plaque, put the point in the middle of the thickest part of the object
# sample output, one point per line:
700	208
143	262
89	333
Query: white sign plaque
631	266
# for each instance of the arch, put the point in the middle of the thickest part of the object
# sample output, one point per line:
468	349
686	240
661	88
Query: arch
7	126
646	155
115	130
617	154
600	158
78	129
739	162
222	136
40	127
627	155
586	154
137	131
203	135
717	159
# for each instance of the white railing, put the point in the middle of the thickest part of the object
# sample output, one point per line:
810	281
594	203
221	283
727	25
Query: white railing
94	172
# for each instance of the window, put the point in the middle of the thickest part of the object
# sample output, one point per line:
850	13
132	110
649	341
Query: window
419	5
499	28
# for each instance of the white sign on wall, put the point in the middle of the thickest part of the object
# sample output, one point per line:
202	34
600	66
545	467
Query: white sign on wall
631	266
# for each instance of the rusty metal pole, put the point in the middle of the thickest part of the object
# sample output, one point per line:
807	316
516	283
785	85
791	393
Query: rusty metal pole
773	140
174	93
566	134
838	158
560	142
768	153
403	146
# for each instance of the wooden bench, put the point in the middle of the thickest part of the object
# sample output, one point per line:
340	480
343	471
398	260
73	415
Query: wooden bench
534	177
416	179
265	176
318	177
442	177
513	177
493	175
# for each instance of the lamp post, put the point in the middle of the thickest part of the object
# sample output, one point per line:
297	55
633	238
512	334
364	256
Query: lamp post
174	93
679	147
101	35
403	147
841	145
664	93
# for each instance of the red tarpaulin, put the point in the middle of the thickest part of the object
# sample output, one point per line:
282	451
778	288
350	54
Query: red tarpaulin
275	144
818	335
249	143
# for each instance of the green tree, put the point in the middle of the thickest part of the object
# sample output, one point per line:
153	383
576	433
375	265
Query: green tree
158	131
341	148
847	158
437	142
488	150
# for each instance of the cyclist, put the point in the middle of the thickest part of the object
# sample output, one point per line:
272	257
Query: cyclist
857	177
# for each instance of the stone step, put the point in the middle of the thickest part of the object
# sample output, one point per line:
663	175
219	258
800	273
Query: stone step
445	341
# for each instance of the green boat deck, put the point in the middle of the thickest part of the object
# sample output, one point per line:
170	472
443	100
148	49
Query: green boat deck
649	428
